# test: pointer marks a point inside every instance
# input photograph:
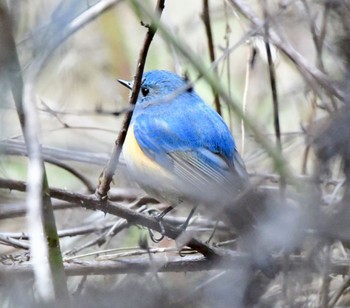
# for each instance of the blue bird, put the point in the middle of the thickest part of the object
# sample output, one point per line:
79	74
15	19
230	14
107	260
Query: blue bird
178	149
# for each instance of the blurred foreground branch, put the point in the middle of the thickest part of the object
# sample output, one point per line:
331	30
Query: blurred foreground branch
189	263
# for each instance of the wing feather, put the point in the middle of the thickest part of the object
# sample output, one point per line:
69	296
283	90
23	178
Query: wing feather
197	147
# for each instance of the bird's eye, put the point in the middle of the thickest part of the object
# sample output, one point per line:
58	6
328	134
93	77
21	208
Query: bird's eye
144	91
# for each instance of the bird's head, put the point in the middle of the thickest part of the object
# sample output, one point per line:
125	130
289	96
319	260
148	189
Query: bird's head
156	85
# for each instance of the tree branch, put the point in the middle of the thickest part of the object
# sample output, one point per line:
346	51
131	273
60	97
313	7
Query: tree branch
107	174
92	202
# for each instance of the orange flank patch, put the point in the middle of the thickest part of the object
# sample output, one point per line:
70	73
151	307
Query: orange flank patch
137	161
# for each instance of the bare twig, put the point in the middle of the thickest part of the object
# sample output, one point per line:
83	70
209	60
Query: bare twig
13	242
113	229
116	194
272	74
107	174
207	24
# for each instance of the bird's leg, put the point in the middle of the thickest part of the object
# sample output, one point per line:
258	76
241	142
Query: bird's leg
212	234
183	227
153	238
159	218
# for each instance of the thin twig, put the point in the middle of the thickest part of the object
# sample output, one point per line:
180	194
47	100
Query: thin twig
116	194
207	24
272	74
13	242
113	229
107	174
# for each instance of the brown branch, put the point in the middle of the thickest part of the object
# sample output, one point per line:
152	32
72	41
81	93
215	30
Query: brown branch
207	24
116	194
92	202
107	174
273	84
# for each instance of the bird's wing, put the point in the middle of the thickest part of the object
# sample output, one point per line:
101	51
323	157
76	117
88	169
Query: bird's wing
205	170
197	152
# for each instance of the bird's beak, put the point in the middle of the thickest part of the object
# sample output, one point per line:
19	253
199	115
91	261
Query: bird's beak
127	84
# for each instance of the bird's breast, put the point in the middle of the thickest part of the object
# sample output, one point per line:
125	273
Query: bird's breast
138	163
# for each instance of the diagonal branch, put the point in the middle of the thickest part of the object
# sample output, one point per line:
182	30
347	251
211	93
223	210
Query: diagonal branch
107	174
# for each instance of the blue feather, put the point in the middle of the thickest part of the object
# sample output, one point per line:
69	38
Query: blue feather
189	125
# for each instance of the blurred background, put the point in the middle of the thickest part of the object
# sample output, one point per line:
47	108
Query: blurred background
81	108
